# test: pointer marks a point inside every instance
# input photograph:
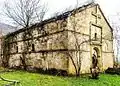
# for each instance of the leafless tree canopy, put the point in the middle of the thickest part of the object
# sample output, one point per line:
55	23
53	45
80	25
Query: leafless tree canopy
25	12
114	21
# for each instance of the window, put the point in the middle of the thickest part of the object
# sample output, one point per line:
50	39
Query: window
33	47
16	49
95	36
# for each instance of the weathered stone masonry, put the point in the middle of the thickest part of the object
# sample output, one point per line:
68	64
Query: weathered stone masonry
44	45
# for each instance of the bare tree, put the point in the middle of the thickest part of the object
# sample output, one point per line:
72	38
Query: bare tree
116	35
78	52
117	42
25	12
75	52
75	58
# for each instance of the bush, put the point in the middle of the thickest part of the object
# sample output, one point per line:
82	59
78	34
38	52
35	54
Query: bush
113	71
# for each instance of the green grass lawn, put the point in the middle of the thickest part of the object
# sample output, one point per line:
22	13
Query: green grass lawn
34	79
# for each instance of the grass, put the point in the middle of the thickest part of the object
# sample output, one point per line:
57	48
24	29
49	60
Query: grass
34	79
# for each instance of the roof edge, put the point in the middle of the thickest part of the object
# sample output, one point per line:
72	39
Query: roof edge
55	18
105	17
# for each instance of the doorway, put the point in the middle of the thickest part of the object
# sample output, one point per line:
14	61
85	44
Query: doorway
95	57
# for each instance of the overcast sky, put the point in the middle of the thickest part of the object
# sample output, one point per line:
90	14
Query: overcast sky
109	7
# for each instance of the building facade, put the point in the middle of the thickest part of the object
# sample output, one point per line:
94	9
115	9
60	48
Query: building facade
66	42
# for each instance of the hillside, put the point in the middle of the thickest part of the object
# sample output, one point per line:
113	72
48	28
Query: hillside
5	28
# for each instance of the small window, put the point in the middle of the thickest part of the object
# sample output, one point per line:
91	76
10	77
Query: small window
95	36
33	47
16	49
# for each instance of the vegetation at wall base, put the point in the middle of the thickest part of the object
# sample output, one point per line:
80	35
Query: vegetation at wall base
113	71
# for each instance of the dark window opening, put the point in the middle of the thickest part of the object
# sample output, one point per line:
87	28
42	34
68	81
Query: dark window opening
33	47
16	49
95	36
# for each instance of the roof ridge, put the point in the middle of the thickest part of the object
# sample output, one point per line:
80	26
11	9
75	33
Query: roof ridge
59	17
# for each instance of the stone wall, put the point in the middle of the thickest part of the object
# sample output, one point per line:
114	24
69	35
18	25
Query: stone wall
82	26
50	45
40	47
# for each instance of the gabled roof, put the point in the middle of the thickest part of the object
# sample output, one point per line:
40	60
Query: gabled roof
60	17
66	14
105	18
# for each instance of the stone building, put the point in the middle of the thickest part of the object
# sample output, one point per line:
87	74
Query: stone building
65	42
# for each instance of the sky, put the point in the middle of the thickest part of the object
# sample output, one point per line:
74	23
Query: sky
109	7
